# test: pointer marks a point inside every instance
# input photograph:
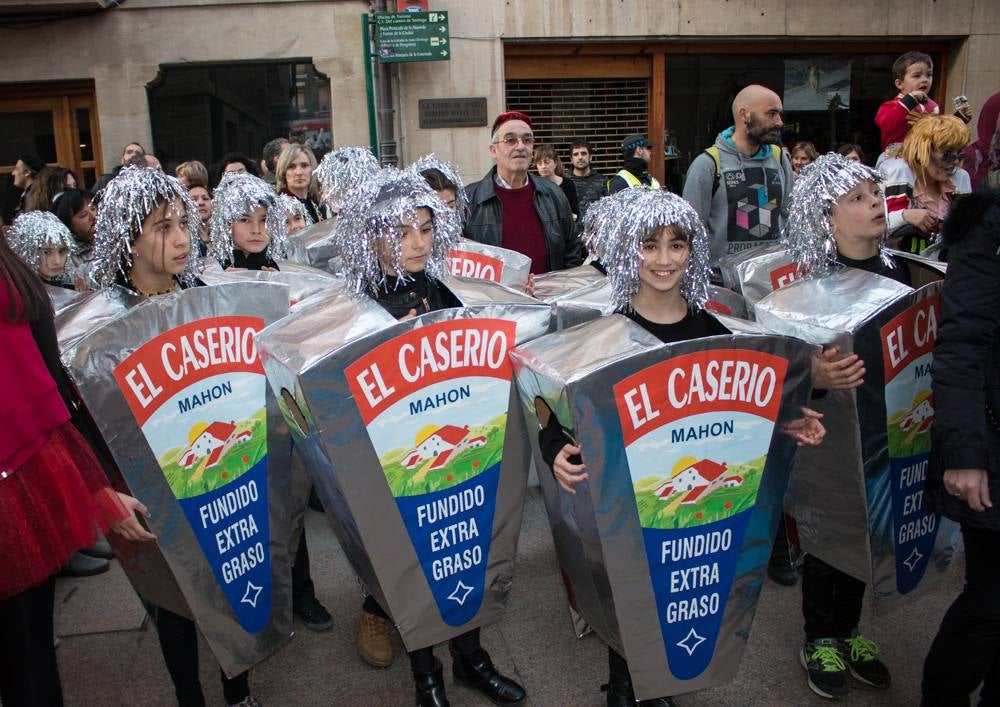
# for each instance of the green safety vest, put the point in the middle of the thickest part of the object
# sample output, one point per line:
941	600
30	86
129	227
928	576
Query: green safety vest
633	181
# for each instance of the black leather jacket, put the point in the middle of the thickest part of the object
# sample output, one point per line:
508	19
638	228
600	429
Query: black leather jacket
485	221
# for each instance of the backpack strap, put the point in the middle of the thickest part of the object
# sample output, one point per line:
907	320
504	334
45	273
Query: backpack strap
713	152
779	155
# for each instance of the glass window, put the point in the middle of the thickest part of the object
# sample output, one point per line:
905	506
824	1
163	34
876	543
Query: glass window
201	112
701	88
27	133
86	145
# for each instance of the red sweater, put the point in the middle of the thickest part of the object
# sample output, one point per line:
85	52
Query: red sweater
522	229
892	118
32	404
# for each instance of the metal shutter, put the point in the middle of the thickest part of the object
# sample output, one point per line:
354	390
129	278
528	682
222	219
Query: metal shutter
603	111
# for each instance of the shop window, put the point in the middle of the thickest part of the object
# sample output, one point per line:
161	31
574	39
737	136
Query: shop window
203	111
700	91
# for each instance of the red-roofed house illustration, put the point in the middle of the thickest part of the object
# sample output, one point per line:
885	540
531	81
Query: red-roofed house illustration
921	414
698	480
213	442
443	443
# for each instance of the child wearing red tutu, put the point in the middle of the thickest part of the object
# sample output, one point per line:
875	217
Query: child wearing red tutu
53	494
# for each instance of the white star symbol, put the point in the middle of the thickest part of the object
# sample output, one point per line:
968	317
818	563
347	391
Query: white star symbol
691	641
251	595
913	559
460	593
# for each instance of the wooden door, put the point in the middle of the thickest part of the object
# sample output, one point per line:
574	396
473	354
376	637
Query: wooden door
57	123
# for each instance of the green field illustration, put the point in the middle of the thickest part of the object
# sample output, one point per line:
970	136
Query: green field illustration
697	492
909	430
216	454
443	456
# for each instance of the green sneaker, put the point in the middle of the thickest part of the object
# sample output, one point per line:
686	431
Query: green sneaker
825	668
861	656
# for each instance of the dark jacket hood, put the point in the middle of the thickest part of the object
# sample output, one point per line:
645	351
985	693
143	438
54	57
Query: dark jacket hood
966	212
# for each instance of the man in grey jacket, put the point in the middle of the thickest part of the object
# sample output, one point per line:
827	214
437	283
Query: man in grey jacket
740	185
513	209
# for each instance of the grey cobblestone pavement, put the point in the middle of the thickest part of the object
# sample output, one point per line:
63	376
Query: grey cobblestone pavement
109	654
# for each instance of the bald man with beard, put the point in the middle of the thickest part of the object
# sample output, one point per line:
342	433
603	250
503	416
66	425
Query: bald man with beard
739	185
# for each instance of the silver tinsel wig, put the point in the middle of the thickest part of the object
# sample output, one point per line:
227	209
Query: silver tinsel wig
34	230
342	170
370	219
616	226
295	207
448	171
238	195
123	205
807	232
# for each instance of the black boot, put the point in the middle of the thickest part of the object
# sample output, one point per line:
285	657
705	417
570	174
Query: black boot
478	673
621	695
430	687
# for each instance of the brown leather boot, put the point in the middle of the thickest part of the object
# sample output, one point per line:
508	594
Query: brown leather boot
375	640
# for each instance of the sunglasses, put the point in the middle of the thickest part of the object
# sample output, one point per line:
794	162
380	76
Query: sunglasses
947	159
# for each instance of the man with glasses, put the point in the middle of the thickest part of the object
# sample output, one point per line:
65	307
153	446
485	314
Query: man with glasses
516	210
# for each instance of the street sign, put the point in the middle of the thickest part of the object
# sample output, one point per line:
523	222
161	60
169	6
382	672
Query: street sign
412	36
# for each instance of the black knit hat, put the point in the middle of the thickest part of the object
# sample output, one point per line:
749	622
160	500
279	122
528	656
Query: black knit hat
633	142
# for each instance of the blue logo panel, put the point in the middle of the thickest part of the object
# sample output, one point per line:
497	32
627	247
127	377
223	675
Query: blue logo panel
914	529
692	570
231	524
451	532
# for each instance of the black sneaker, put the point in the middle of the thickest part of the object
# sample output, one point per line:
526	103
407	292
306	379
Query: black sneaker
313	614
825	668
861	656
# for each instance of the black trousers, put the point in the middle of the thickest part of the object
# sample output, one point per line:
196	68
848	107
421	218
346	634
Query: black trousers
179	643
781	556
29	674
422	659
618	673
966	650
302	584
831	600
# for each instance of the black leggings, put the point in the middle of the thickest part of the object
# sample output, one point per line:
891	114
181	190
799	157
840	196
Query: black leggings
303	588
966	650
29	674
422	659
831	600
179	643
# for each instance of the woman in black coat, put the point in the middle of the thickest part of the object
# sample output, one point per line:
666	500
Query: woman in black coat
963	481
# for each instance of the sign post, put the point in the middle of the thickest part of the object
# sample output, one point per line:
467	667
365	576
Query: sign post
412	36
